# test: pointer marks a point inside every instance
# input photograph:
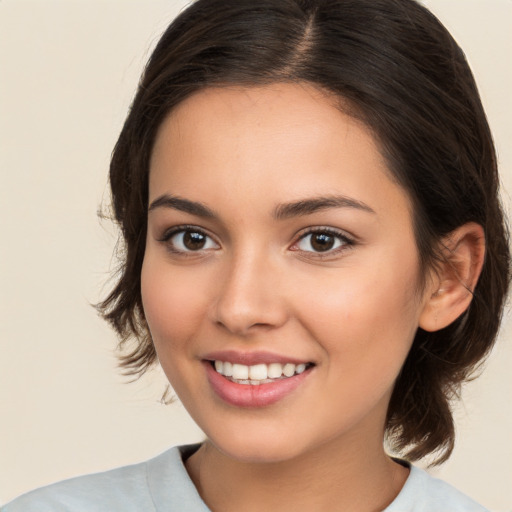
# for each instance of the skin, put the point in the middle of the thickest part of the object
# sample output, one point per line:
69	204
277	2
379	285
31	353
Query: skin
259	284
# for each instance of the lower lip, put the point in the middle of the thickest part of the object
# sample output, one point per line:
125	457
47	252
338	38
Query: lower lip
248	395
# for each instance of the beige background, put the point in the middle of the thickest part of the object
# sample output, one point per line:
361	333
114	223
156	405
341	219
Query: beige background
68	70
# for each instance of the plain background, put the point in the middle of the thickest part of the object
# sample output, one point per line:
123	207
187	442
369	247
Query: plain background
68	71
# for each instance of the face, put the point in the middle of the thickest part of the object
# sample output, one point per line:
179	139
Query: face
281	277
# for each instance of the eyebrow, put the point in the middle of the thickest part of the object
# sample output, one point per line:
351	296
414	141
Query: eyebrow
184	205
312	205
281	212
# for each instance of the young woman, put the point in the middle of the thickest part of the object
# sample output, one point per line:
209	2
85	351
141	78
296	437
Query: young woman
315	254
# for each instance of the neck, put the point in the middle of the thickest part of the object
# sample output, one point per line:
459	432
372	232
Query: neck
352	477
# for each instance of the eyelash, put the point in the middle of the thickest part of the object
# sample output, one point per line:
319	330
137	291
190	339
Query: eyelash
170	233
345	241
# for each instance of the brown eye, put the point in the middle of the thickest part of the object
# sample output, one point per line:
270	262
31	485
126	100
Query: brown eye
194	241
321	242
189	240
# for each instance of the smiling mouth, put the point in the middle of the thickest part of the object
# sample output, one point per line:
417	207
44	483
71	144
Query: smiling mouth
259	373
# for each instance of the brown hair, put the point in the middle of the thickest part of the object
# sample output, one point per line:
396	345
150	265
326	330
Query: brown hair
400	71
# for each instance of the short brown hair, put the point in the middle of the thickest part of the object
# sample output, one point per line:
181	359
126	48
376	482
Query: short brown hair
399	70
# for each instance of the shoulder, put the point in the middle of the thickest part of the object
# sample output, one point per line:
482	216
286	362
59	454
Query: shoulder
125	485
135	488
424	493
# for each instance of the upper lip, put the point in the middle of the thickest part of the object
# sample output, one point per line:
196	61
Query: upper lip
251	358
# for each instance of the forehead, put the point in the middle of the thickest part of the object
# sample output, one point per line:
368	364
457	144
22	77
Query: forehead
283	139
299	111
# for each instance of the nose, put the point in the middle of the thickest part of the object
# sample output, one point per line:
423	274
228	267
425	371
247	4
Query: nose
250	296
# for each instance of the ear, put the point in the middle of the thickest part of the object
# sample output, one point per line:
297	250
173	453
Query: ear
455	277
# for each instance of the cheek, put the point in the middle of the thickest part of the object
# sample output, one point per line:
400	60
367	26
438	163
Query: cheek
369	313
171	304
366	331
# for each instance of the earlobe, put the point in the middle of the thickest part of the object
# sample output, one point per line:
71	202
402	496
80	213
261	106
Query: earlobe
456	277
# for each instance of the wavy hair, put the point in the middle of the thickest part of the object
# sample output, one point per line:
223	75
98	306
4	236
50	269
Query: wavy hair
395	67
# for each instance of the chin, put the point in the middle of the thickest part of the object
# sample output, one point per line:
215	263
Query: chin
255	453
258	448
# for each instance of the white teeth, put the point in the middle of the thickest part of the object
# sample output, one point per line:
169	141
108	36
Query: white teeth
240	372
227	369
275	370
299	368
258	373
289	369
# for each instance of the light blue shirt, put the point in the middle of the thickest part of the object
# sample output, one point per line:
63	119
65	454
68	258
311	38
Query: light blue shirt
162	484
